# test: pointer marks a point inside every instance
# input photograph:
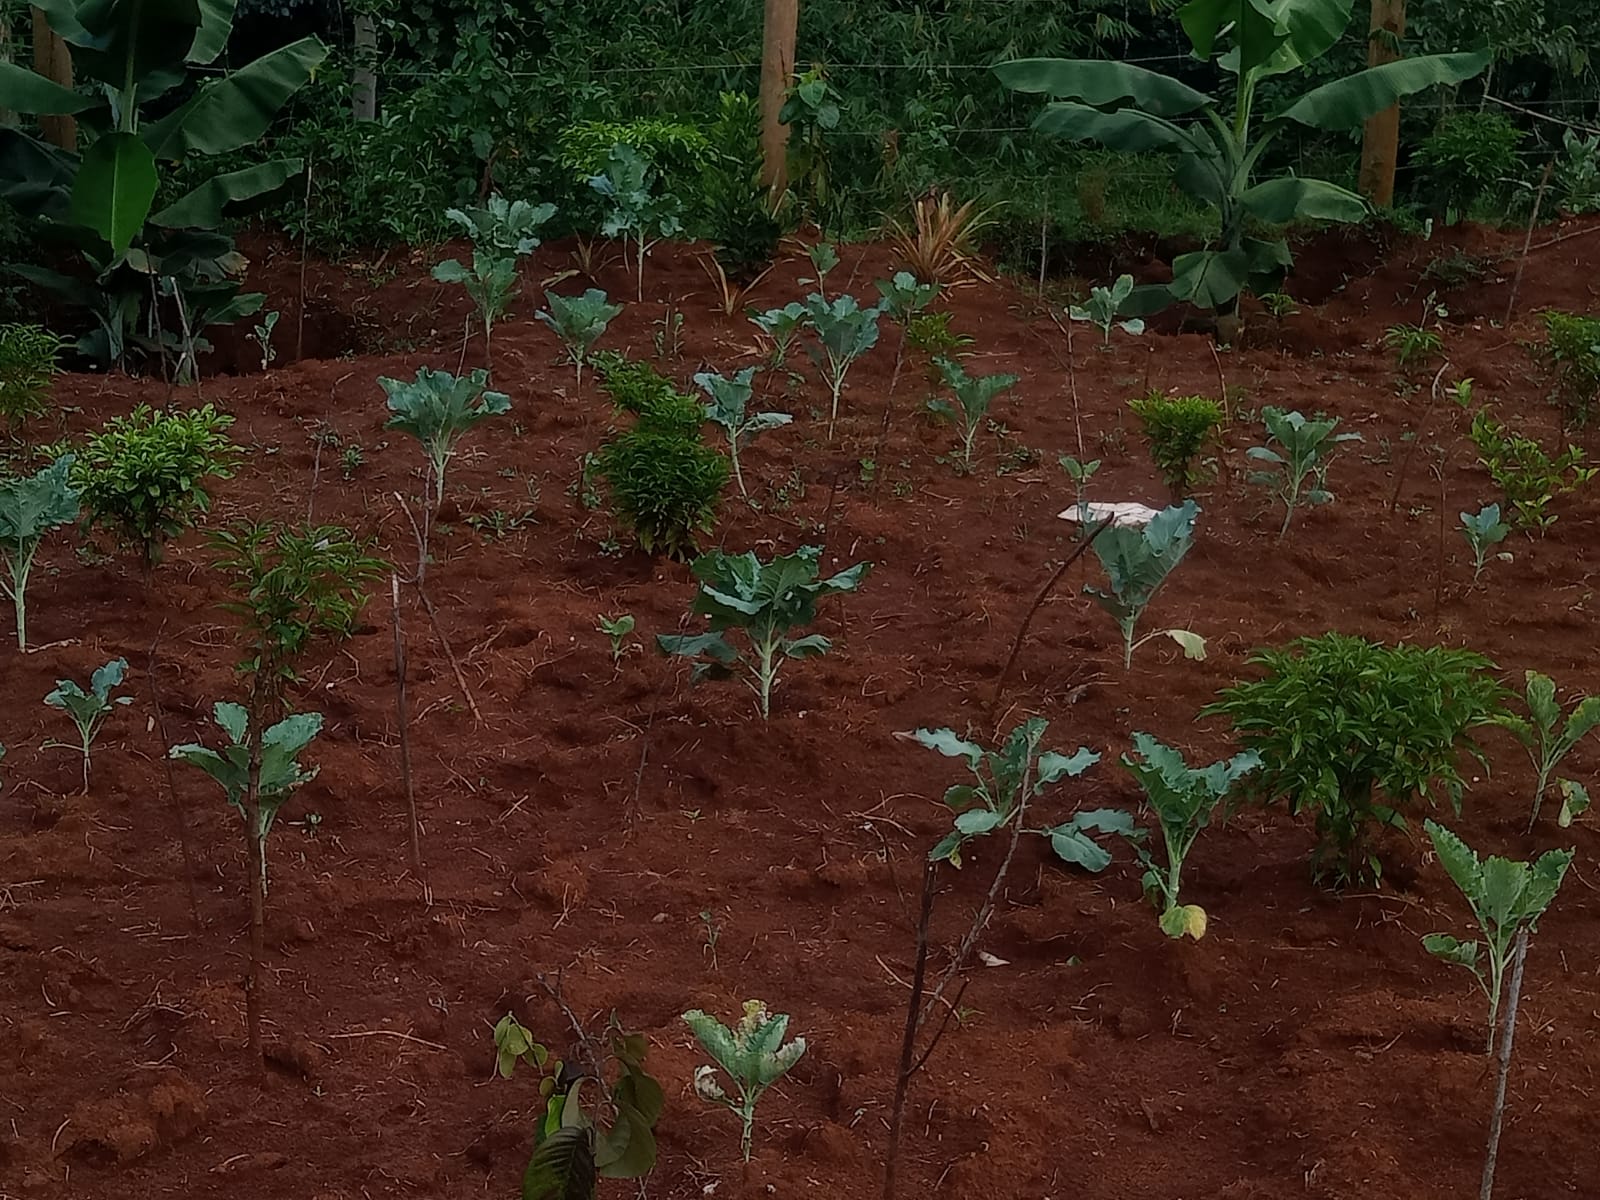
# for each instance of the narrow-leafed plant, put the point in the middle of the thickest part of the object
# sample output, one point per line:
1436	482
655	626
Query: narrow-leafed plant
753	1055
1006	781
1177	429
1137	558
1484	530
845	331
1505	897
1572	350
90	709
1103	306
973	396
31	507
502	231
1529	476
580	322
780	326
728	409
28	356
665	484
617	630
824	258
1297	470
766	601
1547	740
941	243
279	769
438	409
1359	734
1184	800
638	210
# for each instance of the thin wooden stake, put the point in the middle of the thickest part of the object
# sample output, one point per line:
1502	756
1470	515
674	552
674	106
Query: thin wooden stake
190	871
403	717
1509	1029
908	1041
1527	242
305	239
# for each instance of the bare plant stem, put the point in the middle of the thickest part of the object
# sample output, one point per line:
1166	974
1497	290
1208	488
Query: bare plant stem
1527	242
888	413
908	1042
159	709
305	239
403	718
1411	447
585	1042
420	582
1509	1029
254	1000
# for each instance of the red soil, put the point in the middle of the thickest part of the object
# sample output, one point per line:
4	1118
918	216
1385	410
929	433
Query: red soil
1307	1047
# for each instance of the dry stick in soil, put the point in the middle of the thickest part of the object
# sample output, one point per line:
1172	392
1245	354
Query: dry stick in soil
419	581
888	412
1438	565
585	1043
1527	243
1072	379
305	236
1411	447
1498	1112
254	1000
403	718
189	869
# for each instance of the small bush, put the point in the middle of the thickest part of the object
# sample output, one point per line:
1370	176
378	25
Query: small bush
1572	348
666	487
27	367
1359	734
1528	476
634	387
1177	429
1467	156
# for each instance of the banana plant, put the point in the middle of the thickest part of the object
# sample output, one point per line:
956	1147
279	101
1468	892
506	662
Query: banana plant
730	399
30	508
1126	107
752	1053
1548	741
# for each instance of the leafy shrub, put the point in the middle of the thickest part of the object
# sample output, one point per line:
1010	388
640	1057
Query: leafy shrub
1572	348
1577	174
142	473
1468	156
1521	468
1359	734
634	387
674	148
666	487
27	366
1178	429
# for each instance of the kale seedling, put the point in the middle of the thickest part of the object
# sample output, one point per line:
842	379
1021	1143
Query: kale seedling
1548	741
753	1055
617	629
579	321
1080	473
974	394
1184	799
1305	448
824	258
1137	559
637	211
501	233
1505	897
1483	530
780	325
261	335
729	400
905	296
766	601
1103	306
281	772
30	508
90	709
438	409
845	331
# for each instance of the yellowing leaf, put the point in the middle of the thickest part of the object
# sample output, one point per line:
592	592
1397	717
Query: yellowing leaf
1184	919
1194	646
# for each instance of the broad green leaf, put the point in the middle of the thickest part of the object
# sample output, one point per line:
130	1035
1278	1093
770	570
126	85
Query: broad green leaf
235	110
115	187
810	646
1574	801
1452	950
1584	718
1125	129
976	822
127	41
562	1167
1291	198
25	91
205	206
1460	861
1054	767
216	23
233	718
1346	103
1541	697
1543	882
948	744
1183	919
1504	883
1072	845
1209	278
1100	83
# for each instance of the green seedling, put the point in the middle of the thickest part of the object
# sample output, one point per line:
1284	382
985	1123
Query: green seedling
1548	741
438	409
713	933
845	331
1412	343
1184	800
727	408
1278	305
1528	475
1006	781
502	232
1080	473
280	769
1178	429
90	709
351	460
28	356
766	601
617	629
30	508
637	211
1483	530
580	322
974	394
261	335
824	258
1298	469
905	296
1505	897
1137	560
780	325
752	1054
1102	308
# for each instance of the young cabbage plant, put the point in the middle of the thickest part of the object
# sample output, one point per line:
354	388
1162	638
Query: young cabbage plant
438	409
845	331
580	322
766	601
727	408
638	212
261	335
501	233
90	709
1184	799
824	258
974	394
1298	469
752	1054
1505	896
281	771
904	296
617	630
1548	741
1080	473
1483	530
1103	306
780	325
1005	782
30	508
1137	558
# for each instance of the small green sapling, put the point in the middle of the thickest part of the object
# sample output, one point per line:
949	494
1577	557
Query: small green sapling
766	601
727	408
974	394
753	1055
617	629
1080	473
1548	741
438	409
1184	799
845	331
780	325
501	232
1305	446
824	258
637	210
30	508
1137	558
579	321
1483	530
1103	306
261	335
90	709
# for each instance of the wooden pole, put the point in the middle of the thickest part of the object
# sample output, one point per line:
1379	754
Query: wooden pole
1380	146
52	60
779	30
364	78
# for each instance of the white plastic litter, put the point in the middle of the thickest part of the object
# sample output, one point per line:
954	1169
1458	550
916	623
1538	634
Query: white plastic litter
1126	512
